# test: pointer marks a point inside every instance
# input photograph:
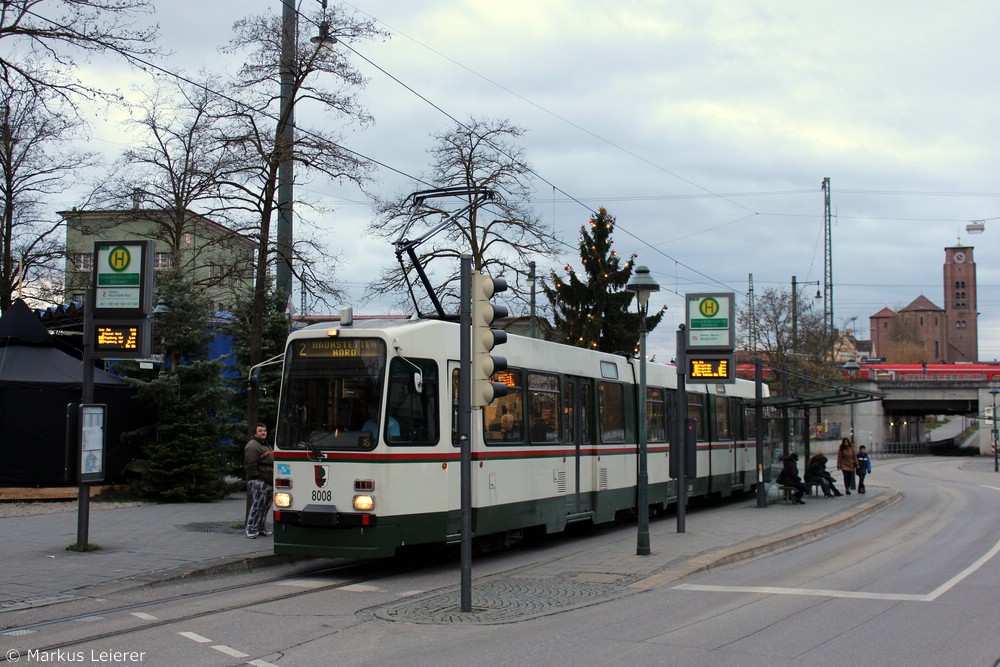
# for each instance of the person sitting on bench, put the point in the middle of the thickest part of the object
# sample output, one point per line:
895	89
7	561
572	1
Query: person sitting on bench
789	476
816	473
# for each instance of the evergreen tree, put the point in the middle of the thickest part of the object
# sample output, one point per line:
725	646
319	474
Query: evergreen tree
597	312
183	451
262	403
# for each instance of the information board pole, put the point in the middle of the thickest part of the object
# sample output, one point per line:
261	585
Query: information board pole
87	396
678	447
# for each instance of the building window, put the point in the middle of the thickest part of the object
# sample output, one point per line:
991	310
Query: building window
83	261
163	261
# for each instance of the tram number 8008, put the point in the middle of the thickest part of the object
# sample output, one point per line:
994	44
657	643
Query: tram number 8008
319	494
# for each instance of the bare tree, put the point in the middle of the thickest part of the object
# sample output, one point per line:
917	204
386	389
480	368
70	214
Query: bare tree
785	336
501	233
255	125
904	344
54	31
180	164
34	163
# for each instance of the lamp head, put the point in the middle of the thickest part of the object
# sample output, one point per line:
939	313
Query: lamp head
642	285
161	307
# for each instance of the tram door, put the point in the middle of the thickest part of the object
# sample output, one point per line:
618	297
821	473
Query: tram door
455	471
575	415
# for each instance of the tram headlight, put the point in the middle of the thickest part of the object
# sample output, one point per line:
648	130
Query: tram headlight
364	503
282	499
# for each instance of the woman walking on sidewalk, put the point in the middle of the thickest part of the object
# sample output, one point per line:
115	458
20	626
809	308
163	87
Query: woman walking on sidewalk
847	463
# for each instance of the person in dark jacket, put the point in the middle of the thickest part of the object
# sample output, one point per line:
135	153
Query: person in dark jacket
789	476
816	473
258	464
864	467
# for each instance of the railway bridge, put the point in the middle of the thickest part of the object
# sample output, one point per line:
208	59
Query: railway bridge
908	407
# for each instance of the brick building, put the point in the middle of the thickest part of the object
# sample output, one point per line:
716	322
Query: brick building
932	333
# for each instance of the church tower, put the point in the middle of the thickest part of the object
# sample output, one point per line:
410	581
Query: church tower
961	314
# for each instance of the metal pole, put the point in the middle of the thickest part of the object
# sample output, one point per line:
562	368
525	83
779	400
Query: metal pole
285	150
805	425
758	376
996	444
465	426
642	541
534	322
678	446
87	396
795	314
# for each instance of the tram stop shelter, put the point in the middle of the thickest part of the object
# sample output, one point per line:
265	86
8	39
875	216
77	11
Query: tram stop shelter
807	400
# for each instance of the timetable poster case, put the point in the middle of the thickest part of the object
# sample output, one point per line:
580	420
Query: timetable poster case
85	442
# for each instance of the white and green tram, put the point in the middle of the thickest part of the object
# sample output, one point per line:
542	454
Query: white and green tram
367	452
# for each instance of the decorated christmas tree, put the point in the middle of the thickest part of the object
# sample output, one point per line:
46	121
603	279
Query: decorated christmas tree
594	310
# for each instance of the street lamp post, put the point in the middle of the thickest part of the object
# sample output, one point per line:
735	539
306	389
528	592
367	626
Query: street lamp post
642	285
996	435
286	139
852	368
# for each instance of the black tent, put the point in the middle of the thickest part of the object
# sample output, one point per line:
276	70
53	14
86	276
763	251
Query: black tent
37	381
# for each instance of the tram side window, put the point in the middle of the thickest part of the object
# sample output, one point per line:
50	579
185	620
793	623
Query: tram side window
543	408
722	418
696	411
656	416
503	420
412	414
612	411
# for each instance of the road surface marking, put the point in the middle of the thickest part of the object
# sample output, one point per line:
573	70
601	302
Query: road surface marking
858	595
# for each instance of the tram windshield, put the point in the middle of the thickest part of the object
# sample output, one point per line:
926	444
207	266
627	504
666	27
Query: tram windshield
332	393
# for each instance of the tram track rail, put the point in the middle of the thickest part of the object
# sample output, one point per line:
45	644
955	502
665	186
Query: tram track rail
365	571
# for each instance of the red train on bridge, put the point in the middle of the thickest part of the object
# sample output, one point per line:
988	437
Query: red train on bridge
889	372
885	372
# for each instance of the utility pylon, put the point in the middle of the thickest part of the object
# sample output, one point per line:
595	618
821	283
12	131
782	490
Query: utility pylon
828	330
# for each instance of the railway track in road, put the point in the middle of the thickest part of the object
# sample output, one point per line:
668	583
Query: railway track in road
142	616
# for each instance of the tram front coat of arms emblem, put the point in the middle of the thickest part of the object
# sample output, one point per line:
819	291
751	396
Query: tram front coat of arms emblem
322	474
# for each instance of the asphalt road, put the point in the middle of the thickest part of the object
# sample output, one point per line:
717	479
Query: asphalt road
915	584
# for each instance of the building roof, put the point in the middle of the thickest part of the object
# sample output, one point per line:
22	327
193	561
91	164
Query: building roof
885	312
149	214
921	303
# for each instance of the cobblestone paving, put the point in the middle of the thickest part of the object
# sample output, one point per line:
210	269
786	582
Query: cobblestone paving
212	527
510	600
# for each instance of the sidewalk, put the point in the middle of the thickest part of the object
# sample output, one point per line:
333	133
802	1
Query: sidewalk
138	544
156	542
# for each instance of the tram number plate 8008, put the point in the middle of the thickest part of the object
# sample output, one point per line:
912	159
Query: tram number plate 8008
321	494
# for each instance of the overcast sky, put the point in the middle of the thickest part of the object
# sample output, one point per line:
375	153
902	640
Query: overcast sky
706	128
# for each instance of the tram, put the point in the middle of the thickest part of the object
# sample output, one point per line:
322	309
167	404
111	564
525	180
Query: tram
367	456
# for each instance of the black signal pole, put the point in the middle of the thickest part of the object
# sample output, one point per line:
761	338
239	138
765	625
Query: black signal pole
465	426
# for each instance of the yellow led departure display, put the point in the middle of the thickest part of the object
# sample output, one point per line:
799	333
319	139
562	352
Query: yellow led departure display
714	368
117	337
123	339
